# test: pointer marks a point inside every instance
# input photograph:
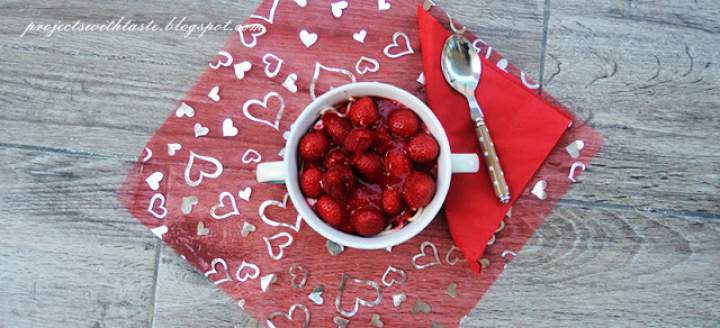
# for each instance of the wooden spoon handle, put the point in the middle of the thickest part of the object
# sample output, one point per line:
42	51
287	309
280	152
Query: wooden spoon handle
492	162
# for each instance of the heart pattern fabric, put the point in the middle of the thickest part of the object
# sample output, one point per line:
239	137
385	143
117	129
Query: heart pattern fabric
235	117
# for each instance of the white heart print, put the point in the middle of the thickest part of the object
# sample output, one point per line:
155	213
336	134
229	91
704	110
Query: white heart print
408	48
203	174
251	156
366	64
264	104
214	94
301	3
173	148
273	64
308	38
228	59
184	110
200	130
360	36
153	180
289	83
245	194
241	69
280	248
153	209
229	130
255	31
383	5
338	7
222	205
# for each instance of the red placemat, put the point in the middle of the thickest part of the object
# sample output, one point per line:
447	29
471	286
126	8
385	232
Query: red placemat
194	185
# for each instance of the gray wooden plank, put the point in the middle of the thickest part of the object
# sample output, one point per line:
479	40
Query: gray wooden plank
69	254
186	298
591	267
646	76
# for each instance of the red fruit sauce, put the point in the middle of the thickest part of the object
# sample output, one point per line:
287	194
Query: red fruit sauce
366	194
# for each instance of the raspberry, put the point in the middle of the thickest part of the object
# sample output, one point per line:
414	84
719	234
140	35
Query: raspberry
418	190
422	148
403	123
392	201
330	210
396	164
359	140
336	127
368	165
337	182
313	146
364	112
335	157
368	221
310	182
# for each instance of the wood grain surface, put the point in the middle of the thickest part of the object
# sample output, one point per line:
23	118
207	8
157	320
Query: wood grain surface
636	243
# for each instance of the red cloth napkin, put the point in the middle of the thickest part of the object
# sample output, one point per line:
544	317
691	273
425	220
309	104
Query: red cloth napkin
524	126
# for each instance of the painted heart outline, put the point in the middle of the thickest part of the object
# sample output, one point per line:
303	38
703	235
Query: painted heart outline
408	47
283	205
289	315
221	204
213	270
243	276
280	247
191	161
358	301
435	261
264	104
388	281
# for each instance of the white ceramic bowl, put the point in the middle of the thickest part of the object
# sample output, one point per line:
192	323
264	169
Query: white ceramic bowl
287	170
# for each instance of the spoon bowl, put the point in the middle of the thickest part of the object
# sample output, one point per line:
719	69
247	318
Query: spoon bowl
461	65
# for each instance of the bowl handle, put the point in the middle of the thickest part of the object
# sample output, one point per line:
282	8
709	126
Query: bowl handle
464	163
273	172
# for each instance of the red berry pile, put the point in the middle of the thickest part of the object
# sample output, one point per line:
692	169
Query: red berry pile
369	167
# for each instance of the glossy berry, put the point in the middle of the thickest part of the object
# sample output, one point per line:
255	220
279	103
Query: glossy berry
359	140
335	157
368	221
364	112
310	182
336	127
368	165
383	141
337	182
403	123
330	211
418	190
396	164
422	148
313	146
392	202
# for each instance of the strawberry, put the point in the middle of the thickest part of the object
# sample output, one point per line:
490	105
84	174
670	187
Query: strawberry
368	221
346	226
338	181
330	211
403	123
364	112
335	157
396	164
363	196
418	190
310	182
359	140
392	201
368	165
336	127
422	148
313	146
384	141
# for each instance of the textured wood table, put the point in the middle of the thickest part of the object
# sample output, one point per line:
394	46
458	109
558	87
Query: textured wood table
637	243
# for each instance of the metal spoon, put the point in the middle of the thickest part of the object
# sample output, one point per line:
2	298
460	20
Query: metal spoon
462	68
